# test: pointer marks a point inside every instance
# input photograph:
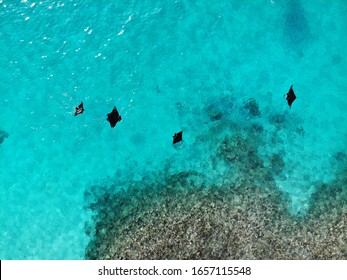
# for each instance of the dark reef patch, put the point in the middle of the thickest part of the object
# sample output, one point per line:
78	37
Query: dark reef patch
214	113
178	219
3	135
256	128
277	164
217	109
277	119
240	152
252	107
296	28
340	156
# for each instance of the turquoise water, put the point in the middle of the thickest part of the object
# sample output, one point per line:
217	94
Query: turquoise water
163	64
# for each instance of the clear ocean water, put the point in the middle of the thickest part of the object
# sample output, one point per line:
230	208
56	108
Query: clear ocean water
163	64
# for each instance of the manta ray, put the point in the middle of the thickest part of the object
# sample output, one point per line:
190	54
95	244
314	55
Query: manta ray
177	137
114	117
290	96
79	109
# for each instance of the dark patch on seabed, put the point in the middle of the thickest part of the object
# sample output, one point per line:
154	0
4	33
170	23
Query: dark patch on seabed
3	135
296	28
179	216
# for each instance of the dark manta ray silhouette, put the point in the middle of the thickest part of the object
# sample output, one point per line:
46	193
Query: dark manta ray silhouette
177	137
114	117
290	96
79	109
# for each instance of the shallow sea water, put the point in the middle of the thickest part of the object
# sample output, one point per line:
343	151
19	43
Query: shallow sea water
162	63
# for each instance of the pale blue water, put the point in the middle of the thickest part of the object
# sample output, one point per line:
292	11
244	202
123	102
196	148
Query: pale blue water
162	63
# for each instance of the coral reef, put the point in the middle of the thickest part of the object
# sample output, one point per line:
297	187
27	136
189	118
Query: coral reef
213	113
256	128
3	135
217	109
323	229
340	156
253	108
277	164
277	119
181	220
181	216
240	152
178	219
